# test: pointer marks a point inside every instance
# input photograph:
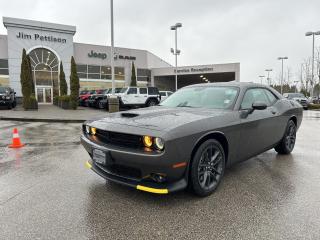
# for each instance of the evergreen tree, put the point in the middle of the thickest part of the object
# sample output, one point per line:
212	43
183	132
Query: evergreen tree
74	85
63	82
33	89
133	76
26	80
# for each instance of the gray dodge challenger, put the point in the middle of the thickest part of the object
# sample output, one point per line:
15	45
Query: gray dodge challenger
191	137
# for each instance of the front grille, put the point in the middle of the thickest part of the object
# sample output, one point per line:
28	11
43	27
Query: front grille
120	139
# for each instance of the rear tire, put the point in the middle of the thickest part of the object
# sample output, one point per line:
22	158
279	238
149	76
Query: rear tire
152	102
207	168
9	106
286	145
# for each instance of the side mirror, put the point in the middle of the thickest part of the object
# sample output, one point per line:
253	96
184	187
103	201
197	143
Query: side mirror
259	106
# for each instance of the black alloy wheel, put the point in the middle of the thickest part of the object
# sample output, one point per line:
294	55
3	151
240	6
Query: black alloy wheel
207	168
151	103
288	141
100	105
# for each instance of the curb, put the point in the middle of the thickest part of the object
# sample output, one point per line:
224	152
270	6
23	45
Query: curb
43	120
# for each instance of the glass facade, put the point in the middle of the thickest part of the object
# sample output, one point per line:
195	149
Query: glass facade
45	67
4	67
99	72
144	74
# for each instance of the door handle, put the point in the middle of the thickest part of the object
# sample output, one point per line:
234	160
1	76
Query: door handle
273	111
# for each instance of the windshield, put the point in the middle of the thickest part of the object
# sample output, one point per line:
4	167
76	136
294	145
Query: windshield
117	90
295	95
3	90
212	97
123	90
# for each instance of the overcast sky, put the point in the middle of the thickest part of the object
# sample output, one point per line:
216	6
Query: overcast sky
252	32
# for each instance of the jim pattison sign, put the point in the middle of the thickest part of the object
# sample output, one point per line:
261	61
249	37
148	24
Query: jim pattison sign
38	37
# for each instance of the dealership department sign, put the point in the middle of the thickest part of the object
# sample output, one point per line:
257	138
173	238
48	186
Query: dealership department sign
194	70
38	37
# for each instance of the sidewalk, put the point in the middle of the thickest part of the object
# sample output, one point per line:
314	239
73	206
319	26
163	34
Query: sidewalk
51	113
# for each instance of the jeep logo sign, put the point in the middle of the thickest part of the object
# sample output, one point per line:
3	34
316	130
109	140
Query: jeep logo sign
93	54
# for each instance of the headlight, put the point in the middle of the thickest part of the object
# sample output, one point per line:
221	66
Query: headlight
93	131
147	141
88	129
8	97
159	143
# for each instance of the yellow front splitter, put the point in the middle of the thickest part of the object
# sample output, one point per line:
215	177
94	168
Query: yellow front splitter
88	165
152	190
139	187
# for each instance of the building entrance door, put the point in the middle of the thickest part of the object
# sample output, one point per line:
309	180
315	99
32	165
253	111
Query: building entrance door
44	95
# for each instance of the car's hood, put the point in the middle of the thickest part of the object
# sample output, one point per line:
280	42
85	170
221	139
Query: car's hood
159	118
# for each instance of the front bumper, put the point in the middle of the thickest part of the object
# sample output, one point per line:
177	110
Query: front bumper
176	178
5	102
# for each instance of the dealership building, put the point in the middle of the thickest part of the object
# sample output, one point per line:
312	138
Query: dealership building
48	44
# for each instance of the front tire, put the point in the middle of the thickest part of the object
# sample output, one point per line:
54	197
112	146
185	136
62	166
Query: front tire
286	145
207	168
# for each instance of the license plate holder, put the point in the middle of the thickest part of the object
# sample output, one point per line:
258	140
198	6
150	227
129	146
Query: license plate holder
99	156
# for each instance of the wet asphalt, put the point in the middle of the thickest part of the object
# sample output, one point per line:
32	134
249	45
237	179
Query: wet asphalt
47	193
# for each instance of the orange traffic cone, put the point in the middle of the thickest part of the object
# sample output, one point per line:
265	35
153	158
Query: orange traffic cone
16	143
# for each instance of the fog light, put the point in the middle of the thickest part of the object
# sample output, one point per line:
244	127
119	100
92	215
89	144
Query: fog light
147	141
159	178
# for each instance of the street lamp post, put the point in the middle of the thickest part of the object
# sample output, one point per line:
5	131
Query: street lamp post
113	101
312	65
112	48
268	78
282	58
295	83
175	51
261	78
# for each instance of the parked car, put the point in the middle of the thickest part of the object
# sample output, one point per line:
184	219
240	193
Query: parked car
103	103
165	94
315	100
84	95
299	97
93	100
85	99
7	97
190	138
139	96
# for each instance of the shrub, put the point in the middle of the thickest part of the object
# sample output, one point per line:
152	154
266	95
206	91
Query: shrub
314	106
65	102
31	103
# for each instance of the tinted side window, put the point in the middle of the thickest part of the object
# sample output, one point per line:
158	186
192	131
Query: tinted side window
153	91
253	95
169	93
132	91
143	90
272	99
163	94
